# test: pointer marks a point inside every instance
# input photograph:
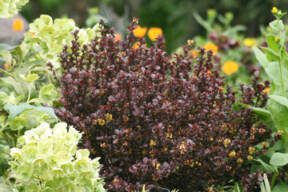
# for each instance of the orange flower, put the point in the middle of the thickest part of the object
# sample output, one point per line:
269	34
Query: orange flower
136	45
154	33
139	31
230	67
211	47
18	25
266	90
7	66
117	37
194	53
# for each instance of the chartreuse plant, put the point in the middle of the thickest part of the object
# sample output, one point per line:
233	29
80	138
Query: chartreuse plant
45	39
26	83
21	98
274	59
9	8
47	160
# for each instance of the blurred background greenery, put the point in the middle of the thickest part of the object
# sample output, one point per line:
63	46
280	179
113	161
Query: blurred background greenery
175	17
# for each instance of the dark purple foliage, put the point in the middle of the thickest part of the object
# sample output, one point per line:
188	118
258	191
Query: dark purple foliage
157	119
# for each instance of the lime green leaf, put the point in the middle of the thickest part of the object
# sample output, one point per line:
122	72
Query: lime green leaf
267	168
280	187
15	110
279	159
48	94
263	113
30	78
279	99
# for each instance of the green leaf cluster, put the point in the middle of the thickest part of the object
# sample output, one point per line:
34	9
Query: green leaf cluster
274	60
46	38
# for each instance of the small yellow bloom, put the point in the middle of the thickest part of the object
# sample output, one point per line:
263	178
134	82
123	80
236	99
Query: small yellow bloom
139	31
183	147
249	157
266	90
232	154
274	10
101	122
169	135
136	45
265	144
230	67
250	42
226	142
190	42
152	143
108	117
251	150
157	166
211	47
154	33
18	25
239	160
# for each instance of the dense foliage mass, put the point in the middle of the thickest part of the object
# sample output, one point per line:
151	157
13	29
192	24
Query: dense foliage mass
47	159
157	119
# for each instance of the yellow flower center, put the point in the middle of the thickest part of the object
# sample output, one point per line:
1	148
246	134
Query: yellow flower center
18	25
230	67
211	47
250	42
139	31
154	33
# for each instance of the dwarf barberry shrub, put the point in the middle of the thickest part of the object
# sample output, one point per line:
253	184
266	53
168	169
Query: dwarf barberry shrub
157	119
